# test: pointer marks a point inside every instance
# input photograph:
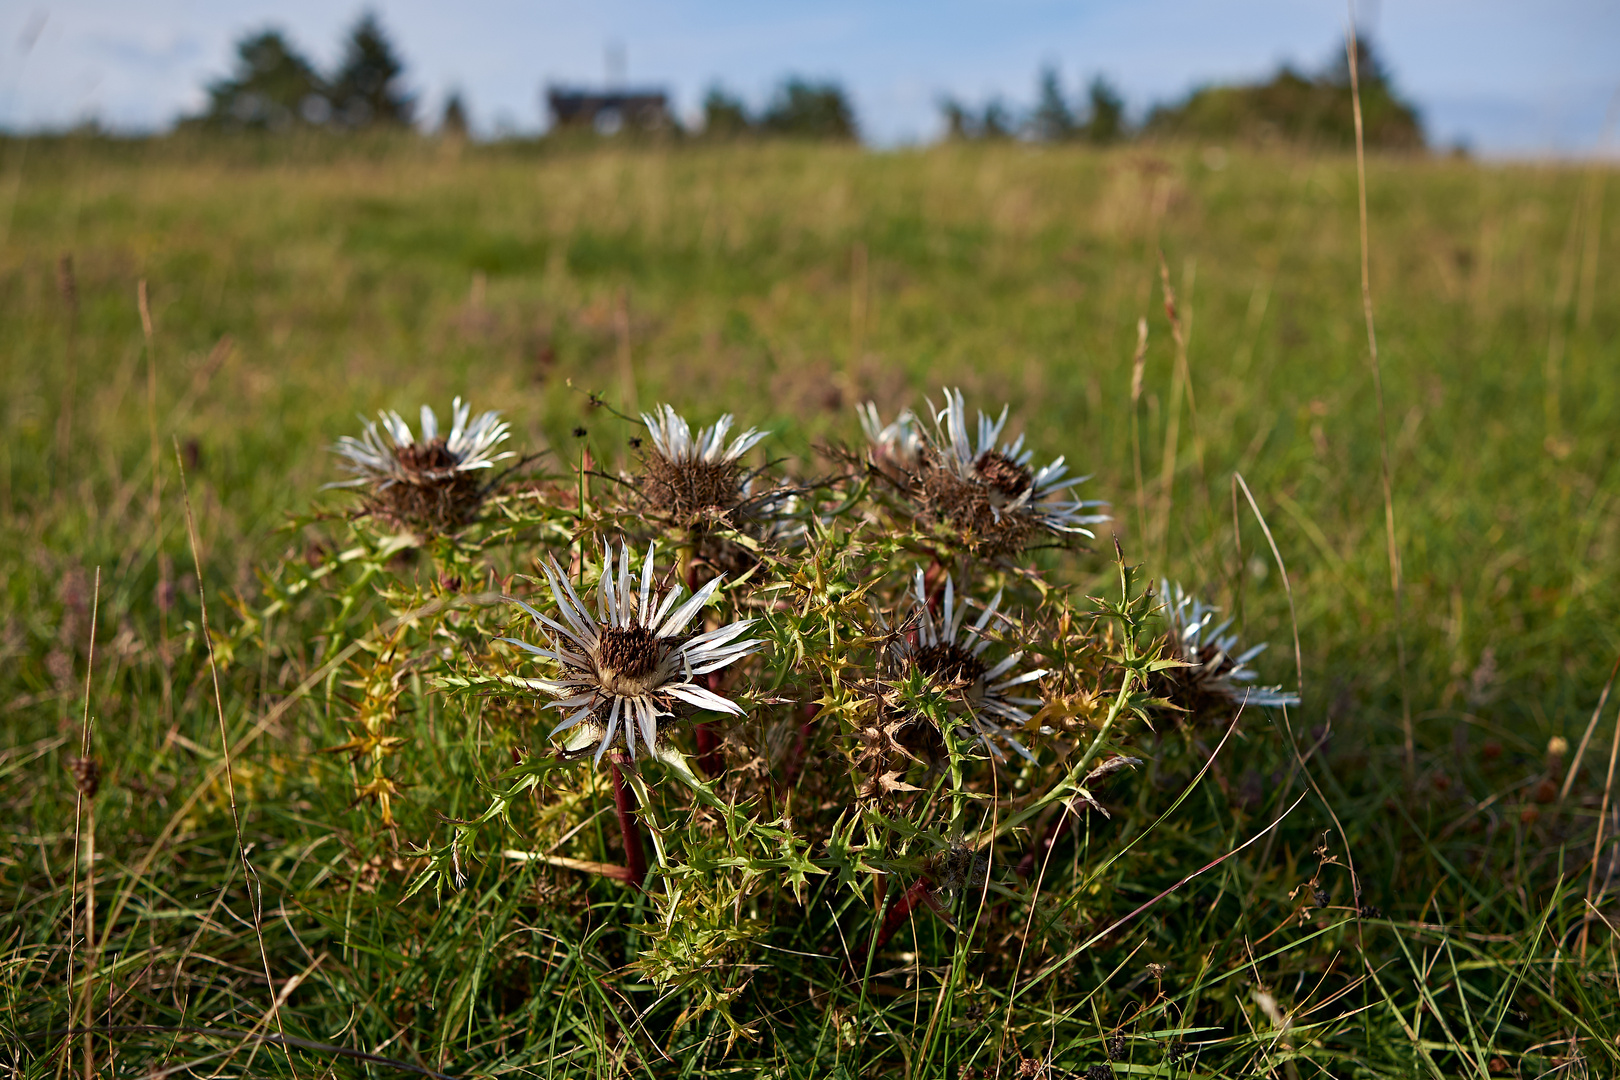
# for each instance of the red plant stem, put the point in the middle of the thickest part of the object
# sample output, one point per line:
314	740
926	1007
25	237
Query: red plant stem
708	743
921	892
934	584
708	748
635	858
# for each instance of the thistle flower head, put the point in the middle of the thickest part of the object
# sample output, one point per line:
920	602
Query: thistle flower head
631	662
897	445
425	481
1219	671
987	491
952	655
691	476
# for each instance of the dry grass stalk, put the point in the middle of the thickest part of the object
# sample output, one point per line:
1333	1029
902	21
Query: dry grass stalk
255	901
1391	543
87	778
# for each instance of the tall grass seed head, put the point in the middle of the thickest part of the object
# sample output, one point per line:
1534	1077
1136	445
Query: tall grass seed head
1218	674
426	481
630	663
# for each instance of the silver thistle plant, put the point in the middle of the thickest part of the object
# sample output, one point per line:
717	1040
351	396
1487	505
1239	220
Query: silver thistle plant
985	494
630	663
951	651
426	480
1217	666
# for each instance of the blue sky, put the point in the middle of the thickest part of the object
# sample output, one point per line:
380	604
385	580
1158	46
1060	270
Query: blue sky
1509	78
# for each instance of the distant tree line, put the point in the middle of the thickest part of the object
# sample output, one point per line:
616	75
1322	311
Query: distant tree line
1290	106
1098	117
1298	107
274	87
799	109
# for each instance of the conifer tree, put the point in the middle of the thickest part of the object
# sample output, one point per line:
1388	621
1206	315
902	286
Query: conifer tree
366	89
810	110
1053	120
453	122
1105	122
724	115
273	87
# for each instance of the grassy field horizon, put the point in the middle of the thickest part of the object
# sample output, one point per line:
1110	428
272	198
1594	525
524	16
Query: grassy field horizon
787	283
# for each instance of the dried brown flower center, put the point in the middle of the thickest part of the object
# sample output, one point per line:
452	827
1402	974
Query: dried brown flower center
685	488
627	660
1003	473
951	663
425	457
427	492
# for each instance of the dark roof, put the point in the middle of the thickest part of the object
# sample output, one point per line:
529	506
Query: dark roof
642	107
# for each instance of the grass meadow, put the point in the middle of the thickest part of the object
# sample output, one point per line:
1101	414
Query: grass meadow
1446	748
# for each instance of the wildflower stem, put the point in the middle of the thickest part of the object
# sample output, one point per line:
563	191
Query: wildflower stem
934	584
1077	772
921	892
635	857
584	507
708	745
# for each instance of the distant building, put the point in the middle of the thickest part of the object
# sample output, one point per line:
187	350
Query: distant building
610	111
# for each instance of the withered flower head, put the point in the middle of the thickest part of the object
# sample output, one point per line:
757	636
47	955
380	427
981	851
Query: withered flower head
86	775
428	481
987	492
896	446
1219	672
631	663
952	656
690	477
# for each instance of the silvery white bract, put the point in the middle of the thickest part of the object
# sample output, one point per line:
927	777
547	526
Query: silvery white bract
952	653
673	438
629	664
899	443
386	457
1218	667
1013	487
699	480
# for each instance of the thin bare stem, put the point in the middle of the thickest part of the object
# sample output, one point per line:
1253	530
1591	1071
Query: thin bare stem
1138	370
1288	588
1586	737
1378	390
84	809
148	335
1597	841
151	412
1180	383
255	900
